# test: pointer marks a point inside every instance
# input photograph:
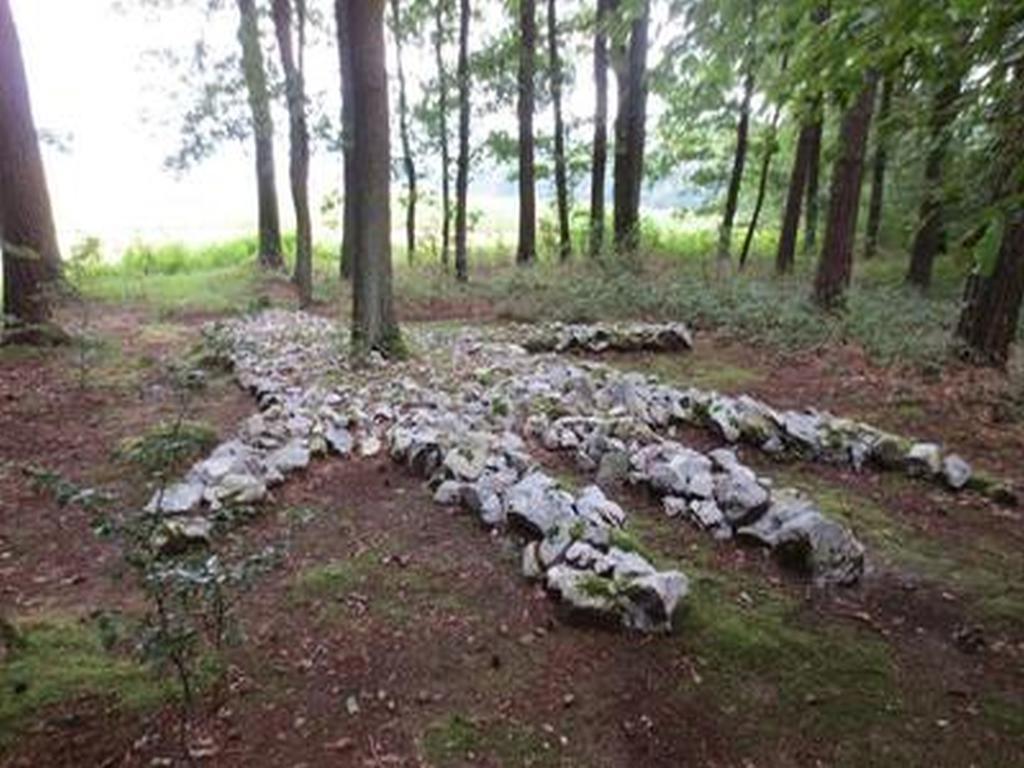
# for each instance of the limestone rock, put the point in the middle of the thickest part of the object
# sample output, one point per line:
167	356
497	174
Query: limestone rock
956	472
802	538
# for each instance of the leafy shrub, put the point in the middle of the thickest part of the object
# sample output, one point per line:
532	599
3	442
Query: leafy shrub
168	447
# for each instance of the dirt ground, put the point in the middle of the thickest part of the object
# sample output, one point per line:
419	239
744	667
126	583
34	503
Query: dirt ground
395	633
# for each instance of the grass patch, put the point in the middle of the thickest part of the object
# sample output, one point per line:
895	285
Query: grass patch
689	369
458	740
398	593
228	289
627	541
336	578
63	660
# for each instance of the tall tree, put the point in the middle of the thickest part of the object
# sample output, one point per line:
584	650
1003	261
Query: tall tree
991	310
462	172
440	33
813	203
561	173
878	167
349	224
28	237
374	326
835	264
263	135
928	239
295	91
527	251
770	148
630	64
739	161
599	159
810	132
405	132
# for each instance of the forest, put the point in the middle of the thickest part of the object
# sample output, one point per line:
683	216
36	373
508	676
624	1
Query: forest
512	383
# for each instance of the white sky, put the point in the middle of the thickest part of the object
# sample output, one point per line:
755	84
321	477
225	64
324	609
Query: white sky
87	80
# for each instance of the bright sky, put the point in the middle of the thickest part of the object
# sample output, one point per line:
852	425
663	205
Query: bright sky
88	80
84	63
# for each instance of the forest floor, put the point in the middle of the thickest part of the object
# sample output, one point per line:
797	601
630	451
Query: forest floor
395	633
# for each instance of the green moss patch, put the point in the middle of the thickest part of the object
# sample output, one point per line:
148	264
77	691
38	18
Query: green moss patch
59	661
458	740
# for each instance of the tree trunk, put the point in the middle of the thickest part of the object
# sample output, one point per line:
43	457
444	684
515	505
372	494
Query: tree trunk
527	251
762	186
270	255
630	131
561	174
990	316
836	262
599	162
813	179
295	90
732	196
928	239
878	169
348	224
785	258
373	326
442	107
408	163
462	172
739	162
28	237
819	15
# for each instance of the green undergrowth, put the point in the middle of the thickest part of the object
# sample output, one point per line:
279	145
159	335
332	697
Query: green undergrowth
60	660
217	290
167	447
458	740
673	277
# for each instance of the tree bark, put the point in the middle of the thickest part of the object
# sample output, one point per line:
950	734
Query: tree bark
785	258
599	160
28	237
271	253
739	162
527	250
813	180
561	174
732	196
928	239
991	309
462	171
374	326
878	169
348	224
630	131
408	163
836	262
295	91
762	185
442	107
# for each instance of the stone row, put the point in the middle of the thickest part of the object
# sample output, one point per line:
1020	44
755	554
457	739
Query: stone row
609	337
808	434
